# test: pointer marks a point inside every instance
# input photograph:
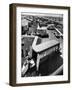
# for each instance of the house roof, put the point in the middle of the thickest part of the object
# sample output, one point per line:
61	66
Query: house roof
43	46
42	28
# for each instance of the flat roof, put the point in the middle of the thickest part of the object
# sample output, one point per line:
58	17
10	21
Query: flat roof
43	46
